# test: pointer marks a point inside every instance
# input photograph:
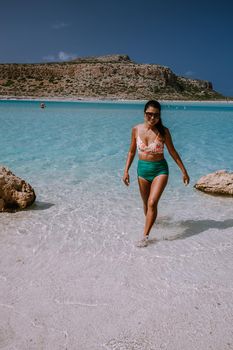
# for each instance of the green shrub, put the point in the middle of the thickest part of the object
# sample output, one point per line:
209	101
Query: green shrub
9	83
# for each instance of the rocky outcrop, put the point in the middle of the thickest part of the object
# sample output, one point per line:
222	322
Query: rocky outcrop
112	77
220	183
15	193
106	59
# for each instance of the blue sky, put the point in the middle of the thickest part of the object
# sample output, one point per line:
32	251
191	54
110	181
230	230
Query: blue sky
193	38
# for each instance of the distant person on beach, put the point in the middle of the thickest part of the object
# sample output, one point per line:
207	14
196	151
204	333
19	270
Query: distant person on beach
149	139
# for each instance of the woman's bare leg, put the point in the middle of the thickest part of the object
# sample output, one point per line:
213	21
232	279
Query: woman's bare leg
157	187
144	187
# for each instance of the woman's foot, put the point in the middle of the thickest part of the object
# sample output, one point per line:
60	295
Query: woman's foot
143	242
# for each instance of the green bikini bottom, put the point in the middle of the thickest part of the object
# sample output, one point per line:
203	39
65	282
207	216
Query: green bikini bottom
149	170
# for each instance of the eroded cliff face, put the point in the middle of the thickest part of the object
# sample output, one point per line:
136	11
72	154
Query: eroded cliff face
113	77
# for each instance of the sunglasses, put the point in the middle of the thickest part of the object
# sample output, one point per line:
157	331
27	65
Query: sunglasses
150	115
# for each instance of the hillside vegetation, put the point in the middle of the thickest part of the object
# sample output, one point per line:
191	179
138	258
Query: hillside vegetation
105	77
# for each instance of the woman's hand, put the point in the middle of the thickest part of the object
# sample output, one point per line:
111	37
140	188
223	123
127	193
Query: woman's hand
126	178
186	178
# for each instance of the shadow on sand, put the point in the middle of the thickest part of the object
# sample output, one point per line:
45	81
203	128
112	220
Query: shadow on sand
194	227
40	206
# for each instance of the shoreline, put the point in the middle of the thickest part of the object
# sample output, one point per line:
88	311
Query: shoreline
112	100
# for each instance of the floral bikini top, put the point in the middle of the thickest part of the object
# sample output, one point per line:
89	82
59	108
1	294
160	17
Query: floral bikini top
155	147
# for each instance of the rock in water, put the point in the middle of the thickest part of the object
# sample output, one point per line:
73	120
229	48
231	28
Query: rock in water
220	183
15	193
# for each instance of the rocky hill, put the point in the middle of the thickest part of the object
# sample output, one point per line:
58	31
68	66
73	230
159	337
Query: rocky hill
105	77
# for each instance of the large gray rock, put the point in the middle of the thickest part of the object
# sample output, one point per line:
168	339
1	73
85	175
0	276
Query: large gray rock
15	193
220	182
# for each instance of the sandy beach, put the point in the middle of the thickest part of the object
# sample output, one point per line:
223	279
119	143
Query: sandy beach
175	294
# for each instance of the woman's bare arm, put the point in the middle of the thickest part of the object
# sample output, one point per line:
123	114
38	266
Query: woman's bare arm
130	157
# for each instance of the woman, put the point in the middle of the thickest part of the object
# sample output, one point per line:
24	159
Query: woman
149	138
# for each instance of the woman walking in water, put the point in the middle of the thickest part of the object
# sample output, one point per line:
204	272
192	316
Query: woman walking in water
149	138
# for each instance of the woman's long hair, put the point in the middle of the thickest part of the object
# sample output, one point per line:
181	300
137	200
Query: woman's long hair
155	104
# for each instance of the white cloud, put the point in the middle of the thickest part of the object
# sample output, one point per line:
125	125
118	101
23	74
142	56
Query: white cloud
61	56
60	25
189	73
64	56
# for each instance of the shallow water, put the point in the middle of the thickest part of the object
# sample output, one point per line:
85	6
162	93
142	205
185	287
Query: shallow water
69	262
73	154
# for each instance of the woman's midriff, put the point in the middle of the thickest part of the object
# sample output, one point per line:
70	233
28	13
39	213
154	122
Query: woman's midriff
150	157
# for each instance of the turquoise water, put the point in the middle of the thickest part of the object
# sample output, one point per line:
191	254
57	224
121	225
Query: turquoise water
73	154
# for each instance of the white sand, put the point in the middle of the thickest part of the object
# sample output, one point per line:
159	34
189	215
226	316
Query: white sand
61	288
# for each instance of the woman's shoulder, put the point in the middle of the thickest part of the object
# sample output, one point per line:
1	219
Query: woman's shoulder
137	127
167	134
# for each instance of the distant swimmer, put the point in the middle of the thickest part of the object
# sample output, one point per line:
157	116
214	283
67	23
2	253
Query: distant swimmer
42	105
